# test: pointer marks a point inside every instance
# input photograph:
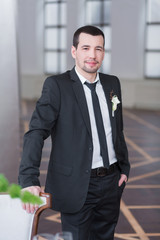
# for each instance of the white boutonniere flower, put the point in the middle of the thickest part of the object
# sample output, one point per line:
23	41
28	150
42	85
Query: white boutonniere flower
114	101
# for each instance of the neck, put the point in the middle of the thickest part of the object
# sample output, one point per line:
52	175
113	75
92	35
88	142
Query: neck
89	76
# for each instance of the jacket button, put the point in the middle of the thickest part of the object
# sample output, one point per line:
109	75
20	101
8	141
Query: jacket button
90	148
87	171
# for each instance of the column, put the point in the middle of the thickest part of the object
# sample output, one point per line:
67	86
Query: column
9	92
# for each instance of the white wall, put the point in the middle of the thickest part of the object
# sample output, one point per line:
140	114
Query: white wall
30	44
9	92
30	34
127	61
128	28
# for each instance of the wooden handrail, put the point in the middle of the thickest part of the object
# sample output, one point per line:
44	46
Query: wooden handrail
48	204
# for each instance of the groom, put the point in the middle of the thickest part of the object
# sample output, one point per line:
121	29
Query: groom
82	111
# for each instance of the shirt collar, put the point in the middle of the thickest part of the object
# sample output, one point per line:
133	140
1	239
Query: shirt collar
83	79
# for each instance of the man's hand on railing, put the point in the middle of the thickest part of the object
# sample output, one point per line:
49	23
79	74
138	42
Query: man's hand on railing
36	190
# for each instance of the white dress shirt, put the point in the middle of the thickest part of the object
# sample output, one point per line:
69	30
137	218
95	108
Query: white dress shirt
97	160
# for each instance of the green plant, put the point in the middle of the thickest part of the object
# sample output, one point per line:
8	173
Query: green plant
14	190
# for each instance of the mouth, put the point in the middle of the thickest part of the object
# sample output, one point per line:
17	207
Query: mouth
91	63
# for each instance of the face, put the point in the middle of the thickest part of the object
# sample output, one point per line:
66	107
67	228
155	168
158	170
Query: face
89	54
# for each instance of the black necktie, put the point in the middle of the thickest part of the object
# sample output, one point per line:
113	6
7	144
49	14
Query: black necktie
99	123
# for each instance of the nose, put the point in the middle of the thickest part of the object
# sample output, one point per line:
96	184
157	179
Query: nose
92	54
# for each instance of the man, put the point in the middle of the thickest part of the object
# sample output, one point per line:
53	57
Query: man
88	165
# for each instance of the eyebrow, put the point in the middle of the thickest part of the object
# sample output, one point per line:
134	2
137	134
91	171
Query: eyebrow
85	46
99	47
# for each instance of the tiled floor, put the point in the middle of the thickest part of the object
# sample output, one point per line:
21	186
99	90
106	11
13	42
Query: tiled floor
140	206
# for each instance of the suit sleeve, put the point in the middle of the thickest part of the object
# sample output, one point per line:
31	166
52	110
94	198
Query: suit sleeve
42	123
121	147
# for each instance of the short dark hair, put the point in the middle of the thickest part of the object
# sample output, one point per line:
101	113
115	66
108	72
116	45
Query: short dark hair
89	29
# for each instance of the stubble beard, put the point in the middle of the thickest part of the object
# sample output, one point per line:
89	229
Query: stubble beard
87	70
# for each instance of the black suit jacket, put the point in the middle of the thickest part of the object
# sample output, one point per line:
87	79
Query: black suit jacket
62	113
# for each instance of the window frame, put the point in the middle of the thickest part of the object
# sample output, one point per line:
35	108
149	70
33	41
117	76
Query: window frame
57	26
149	50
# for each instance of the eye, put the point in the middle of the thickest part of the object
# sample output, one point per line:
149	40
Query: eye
99	49
85	48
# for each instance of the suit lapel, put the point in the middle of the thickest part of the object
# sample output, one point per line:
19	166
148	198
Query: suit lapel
81	99
107	87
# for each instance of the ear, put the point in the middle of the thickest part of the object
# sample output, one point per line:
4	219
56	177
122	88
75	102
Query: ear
73	52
